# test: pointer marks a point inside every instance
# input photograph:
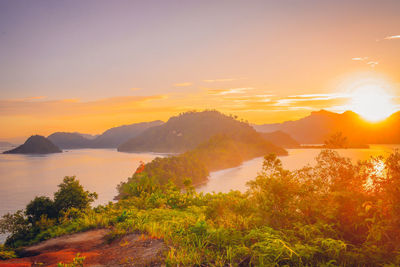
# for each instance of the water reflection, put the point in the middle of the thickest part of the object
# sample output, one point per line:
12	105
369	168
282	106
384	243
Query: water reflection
377	173
236	178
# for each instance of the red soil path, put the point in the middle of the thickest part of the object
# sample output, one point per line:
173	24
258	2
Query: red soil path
131	250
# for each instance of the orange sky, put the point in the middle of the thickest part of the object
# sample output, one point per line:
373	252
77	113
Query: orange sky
88	66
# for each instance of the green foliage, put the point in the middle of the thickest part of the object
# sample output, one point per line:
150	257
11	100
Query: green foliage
219	152
14	223
42	215
6	253
72	195
76	262
40	206
333	214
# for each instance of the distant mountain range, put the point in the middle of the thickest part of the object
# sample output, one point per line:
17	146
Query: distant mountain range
111	138
188	130
5	144
319	125
36	144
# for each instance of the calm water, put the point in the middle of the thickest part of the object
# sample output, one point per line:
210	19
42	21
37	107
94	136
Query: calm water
236	178
22	177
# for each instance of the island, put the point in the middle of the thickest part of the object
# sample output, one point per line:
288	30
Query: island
36	144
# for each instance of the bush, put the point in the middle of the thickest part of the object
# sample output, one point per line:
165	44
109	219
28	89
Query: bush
6	253
41	206
71	194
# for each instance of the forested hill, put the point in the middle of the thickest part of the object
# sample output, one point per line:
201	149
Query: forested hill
188	130
36	144
217	153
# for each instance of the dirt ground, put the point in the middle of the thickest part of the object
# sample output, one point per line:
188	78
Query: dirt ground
131	250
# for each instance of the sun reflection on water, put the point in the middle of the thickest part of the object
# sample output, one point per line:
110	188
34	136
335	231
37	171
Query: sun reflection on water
377	173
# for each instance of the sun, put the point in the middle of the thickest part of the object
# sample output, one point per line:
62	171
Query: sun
372	102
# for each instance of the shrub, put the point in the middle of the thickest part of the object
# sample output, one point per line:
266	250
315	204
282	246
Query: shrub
71	194
40	206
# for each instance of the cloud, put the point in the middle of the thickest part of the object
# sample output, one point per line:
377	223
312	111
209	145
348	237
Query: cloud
306	97
393	37
294	102
183	84
359	58
219	80
228	91
136	88
224	80
371	63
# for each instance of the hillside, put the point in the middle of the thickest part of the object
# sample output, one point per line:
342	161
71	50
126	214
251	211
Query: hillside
188	130
111	138
222	152
69	140
281	139
217	153
116	136
319	125
36	144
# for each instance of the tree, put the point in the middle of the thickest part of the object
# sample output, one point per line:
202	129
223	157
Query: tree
71	194
336	140
40	206
14	223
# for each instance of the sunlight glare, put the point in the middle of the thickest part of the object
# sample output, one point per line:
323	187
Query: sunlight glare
372	102
377	174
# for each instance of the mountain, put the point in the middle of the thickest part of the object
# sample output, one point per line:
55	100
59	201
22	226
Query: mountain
88	136
36	144
280	138
111	138
70	140
188	130
5	144
319	125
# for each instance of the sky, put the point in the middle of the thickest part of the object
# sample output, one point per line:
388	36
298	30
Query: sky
90	65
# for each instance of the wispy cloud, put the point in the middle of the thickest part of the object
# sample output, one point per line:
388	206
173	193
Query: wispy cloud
220	80
228	91
306	97
359	58
392	37
371	63
136	88
183	84
270	102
